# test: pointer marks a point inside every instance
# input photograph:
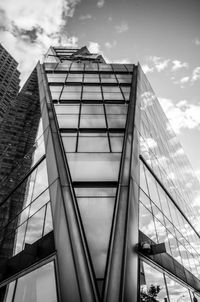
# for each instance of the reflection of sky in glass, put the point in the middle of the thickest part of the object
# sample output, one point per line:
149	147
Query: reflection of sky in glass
151	276
38	285
163	153
161	148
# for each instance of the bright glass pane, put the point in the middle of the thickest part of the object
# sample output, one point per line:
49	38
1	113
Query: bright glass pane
94	166
93	143
69	142
67	109
48	220
67	121
96	214
9	293
35	227
92	121
152	284
37	286
116	121
116	142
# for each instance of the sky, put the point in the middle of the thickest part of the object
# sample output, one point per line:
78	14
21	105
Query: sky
164	36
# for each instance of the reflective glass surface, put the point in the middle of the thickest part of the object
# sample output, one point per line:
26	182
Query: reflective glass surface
157	286
36	286
166	197
92	119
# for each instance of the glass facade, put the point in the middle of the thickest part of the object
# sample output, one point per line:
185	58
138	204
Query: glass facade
166	214
91	103
37	286
101	175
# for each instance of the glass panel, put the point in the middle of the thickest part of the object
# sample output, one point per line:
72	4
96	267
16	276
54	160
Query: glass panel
176	291
116	121
75	77
10	290
96	214
19	238
108	78
41	181
116	109
55	91
91	66
91	78
77	66
92	109
111	89
35	227
116	142
67	109
124	78
105	67
39	202
69	142
97	143
37	286
152	284
48	220
70	96
67	121
146	223
145	200
94	166
113	96
56	77
95	96
71	93
118	67
63	66
92	89
92	121
126	92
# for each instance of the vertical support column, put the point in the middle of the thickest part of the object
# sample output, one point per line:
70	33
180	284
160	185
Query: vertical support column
75	274
125	226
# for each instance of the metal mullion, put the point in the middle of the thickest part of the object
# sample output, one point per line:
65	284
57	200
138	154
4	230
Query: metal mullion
80	109
45	212
104	108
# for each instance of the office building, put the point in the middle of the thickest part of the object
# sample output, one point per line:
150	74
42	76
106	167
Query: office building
9	81
103	199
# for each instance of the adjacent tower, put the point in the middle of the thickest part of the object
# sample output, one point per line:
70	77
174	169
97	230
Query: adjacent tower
103	207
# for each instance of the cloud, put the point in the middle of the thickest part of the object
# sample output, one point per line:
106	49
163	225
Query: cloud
178	65
94	47
159	63
110	45
27	31
85	17
122	27
196	74
100	3
184	80
147	69
197	41
181	115
181	81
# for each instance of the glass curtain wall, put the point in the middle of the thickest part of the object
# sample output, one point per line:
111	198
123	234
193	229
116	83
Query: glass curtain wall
165	199
91	103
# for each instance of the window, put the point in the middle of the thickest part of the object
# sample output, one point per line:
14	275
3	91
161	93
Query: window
38	286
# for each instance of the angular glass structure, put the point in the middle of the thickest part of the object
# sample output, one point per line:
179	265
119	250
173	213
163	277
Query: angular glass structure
99	205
